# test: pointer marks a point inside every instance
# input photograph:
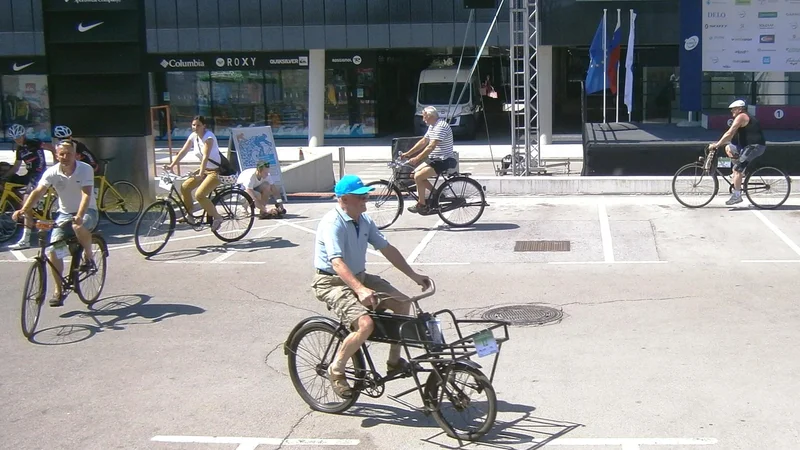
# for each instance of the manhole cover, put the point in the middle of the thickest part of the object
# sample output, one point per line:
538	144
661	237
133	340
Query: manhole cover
541	246
524	314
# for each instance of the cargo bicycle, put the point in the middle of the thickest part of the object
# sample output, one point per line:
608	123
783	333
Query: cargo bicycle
455	385
156	224
458	200
696	184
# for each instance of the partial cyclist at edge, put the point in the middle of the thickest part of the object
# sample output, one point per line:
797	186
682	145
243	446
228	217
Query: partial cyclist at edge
750	144
31	152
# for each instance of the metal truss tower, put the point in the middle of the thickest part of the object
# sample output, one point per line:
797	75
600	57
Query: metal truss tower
524	88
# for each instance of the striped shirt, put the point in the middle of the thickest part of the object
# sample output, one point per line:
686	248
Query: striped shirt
442	132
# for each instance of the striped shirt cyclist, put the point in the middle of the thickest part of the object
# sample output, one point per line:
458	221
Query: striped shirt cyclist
442	132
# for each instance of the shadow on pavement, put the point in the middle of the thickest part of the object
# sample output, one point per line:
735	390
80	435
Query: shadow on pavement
112	313
243	246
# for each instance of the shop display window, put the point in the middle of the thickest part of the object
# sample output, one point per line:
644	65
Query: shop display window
287	102
189	95
26	102
350	102
238	100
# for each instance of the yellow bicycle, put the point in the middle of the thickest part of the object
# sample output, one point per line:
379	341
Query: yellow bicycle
11	200
121	201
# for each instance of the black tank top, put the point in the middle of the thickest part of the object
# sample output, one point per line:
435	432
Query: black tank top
750	134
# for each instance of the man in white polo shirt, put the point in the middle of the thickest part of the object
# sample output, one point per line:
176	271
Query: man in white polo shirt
437	147
73	181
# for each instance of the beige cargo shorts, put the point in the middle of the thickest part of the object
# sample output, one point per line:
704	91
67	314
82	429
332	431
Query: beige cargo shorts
343	301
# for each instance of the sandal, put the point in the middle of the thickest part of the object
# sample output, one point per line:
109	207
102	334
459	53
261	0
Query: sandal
339	384
401	366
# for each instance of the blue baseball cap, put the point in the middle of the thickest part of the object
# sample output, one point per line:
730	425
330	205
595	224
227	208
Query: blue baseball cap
351	184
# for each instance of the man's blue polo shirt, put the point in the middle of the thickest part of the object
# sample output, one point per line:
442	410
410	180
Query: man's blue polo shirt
338	236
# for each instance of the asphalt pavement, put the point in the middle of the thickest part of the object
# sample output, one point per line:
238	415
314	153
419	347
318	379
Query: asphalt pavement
674	329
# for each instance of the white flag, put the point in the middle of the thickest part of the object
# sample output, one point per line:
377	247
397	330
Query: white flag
629	67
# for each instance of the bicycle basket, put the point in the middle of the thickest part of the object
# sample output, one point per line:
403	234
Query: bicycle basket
228	179
403	174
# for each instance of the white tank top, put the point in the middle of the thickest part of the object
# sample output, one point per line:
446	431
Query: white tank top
199	145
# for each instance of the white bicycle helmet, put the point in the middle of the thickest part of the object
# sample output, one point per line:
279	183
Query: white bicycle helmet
62	132
737	104
16	131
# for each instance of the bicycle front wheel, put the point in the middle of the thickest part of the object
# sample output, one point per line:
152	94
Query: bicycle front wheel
122	203
693	186
33	298
236	208
462	401
384	204
8	226
91	279
767	187
463	198
154	228
311	351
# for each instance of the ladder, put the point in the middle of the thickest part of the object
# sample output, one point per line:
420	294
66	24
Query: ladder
525	158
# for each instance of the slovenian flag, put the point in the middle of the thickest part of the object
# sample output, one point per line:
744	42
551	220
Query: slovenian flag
613	57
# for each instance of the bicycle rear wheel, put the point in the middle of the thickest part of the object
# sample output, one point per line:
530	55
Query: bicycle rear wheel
90	282
122	203
311	351
236	208
33	298
460	391
464	198
154	228
693	186
384	204
767	187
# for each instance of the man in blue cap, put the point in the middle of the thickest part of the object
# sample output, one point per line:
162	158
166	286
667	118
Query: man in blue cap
341	281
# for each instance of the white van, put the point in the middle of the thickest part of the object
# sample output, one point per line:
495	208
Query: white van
434	89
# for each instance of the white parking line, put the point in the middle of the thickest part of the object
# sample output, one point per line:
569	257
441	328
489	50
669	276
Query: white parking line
425	241
629	443
246	443
184	238
18	254
214	261
606	262
605	232
777	231
314	232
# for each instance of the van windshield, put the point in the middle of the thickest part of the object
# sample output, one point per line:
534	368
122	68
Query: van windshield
439	93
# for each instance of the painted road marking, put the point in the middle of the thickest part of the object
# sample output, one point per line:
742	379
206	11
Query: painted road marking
604	262
314	232
786	240
251	443
628	443
605	232
18	254
425	241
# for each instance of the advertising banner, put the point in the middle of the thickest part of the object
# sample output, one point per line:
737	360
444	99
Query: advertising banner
691	49
751	36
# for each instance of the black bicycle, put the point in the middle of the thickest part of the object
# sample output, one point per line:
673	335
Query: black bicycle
696	184
459	200
454	389
157	223
87	279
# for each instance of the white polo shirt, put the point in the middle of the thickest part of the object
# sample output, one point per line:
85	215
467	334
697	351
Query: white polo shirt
69	187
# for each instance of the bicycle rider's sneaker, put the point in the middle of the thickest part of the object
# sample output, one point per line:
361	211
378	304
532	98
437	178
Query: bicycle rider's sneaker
401	366
57	300
216	224
418	209
339	383
22	244
734	199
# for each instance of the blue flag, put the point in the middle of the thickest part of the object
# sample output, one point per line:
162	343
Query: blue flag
597	70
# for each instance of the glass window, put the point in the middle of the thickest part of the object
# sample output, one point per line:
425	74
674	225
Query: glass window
439	93
286	94
26	102
189	95
350	102
238	100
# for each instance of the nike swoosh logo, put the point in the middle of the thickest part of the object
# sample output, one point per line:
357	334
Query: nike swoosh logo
84	29
17	68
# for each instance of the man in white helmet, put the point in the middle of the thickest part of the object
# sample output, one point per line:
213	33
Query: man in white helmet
31	153
745	142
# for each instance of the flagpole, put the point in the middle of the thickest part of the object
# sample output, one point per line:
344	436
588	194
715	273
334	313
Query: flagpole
630	49
619	19
605	66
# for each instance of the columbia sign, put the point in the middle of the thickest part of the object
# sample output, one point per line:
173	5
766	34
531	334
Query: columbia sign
181	63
